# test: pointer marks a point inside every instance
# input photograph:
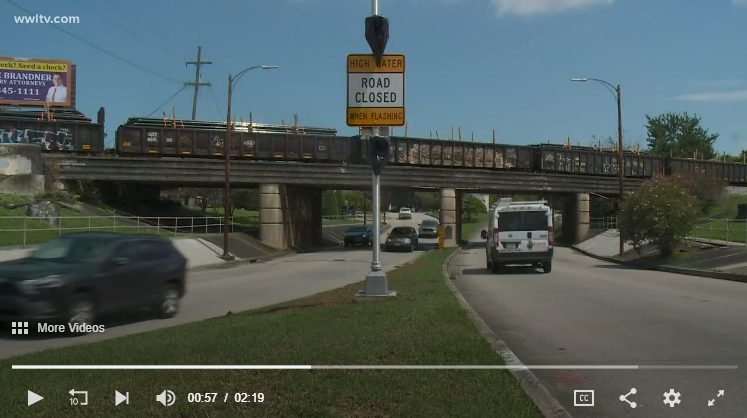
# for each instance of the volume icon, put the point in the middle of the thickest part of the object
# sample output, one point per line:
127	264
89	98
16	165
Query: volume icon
167	398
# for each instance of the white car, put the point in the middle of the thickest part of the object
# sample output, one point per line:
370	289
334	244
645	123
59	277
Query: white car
405	213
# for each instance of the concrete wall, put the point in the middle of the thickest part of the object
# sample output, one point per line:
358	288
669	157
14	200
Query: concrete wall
21	169
290	217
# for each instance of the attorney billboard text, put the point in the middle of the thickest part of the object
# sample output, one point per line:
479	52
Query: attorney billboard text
34	82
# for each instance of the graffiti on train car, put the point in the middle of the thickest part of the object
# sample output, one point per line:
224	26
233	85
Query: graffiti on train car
48	140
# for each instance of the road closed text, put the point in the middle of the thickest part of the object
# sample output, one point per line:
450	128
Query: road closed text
371	90
74	328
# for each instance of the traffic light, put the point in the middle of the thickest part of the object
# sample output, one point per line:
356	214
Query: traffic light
379	147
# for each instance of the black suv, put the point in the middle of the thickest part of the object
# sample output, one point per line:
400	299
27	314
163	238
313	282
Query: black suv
78	277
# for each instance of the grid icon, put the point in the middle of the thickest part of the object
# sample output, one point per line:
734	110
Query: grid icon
20	328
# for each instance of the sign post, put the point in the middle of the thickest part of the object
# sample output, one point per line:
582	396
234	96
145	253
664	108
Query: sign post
376	101
440	238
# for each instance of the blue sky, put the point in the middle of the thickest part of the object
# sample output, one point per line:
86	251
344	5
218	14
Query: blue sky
478	64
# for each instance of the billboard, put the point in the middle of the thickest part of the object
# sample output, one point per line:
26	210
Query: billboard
34	82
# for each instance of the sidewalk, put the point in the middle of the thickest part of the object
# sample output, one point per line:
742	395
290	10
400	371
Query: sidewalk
731	259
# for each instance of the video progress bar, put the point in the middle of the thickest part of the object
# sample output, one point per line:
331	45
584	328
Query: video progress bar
372	367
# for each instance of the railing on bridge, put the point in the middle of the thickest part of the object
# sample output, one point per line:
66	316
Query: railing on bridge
27	230
603	224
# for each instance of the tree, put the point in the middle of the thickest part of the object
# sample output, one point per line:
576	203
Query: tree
329	203
679	136
429	201
472	206
661	211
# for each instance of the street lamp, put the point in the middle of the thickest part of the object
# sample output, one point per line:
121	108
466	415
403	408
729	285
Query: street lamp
620	158
227	149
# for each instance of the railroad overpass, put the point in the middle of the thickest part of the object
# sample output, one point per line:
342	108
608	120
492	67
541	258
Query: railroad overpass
291	193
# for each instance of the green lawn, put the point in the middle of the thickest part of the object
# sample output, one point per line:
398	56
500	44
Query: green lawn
423	325
478	222
725	228
13	224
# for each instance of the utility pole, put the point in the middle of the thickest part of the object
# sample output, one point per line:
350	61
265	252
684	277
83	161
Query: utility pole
198	79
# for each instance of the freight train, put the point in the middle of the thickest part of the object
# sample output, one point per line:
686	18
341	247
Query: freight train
54	131
327	147
72	132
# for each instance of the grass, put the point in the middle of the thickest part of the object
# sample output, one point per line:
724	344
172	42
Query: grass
478	222
726	228
251	217
657	260
13	224
423	325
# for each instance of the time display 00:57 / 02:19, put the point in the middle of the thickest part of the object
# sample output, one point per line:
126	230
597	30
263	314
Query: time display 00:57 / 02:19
11	90
237	397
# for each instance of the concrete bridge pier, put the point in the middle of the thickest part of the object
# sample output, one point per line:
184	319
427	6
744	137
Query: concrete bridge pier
576	219
290	217
448	217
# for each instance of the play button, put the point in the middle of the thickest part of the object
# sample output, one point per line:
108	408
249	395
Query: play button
34	398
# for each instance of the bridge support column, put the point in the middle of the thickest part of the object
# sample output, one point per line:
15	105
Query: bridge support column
290	217
575	224
583	217
272	225
448	217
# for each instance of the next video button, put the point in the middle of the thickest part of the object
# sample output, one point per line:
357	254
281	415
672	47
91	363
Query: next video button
583	398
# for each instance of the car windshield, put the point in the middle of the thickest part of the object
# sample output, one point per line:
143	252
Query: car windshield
523	221
358	229
400	231
404	210
68	249
429	223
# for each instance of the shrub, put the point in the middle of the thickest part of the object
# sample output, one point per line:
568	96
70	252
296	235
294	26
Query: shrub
662	211
709	189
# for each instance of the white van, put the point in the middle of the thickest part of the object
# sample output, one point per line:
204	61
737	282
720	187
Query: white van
519	233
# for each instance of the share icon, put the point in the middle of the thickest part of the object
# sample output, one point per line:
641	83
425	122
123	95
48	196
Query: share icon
624	398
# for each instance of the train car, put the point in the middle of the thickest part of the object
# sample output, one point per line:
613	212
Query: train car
177	142
592	161
54	136
732	172
448	153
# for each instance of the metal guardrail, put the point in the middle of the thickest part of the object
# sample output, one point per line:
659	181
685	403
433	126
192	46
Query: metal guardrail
729	231
606	223
27	230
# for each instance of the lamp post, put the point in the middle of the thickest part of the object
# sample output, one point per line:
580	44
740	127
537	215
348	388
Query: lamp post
620	157
227	150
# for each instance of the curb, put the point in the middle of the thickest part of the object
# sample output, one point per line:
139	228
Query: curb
667	269
537	392
236	263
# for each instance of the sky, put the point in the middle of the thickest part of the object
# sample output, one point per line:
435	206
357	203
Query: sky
481	65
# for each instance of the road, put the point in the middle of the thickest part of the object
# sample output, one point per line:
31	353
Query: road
588	312
212	293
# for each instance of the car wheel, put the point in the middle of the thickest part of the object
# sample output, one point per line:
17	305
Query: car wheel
495	267
168	305
412	247
547	266
488	263
83	310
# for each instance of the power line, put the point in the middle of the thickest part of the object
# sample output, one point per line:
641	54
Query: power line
167	101
99	48
116	21
217	106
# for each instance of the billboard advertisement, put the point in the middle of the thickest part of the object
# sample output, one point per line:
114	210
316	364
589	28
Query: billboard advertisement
34	82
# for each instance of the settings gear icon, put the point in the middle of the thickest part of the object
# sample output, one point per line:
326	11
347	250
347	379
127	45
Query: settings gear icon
669	395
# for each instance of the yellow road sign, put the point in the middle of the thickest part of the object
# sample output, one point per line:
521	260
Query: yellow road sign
376	94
